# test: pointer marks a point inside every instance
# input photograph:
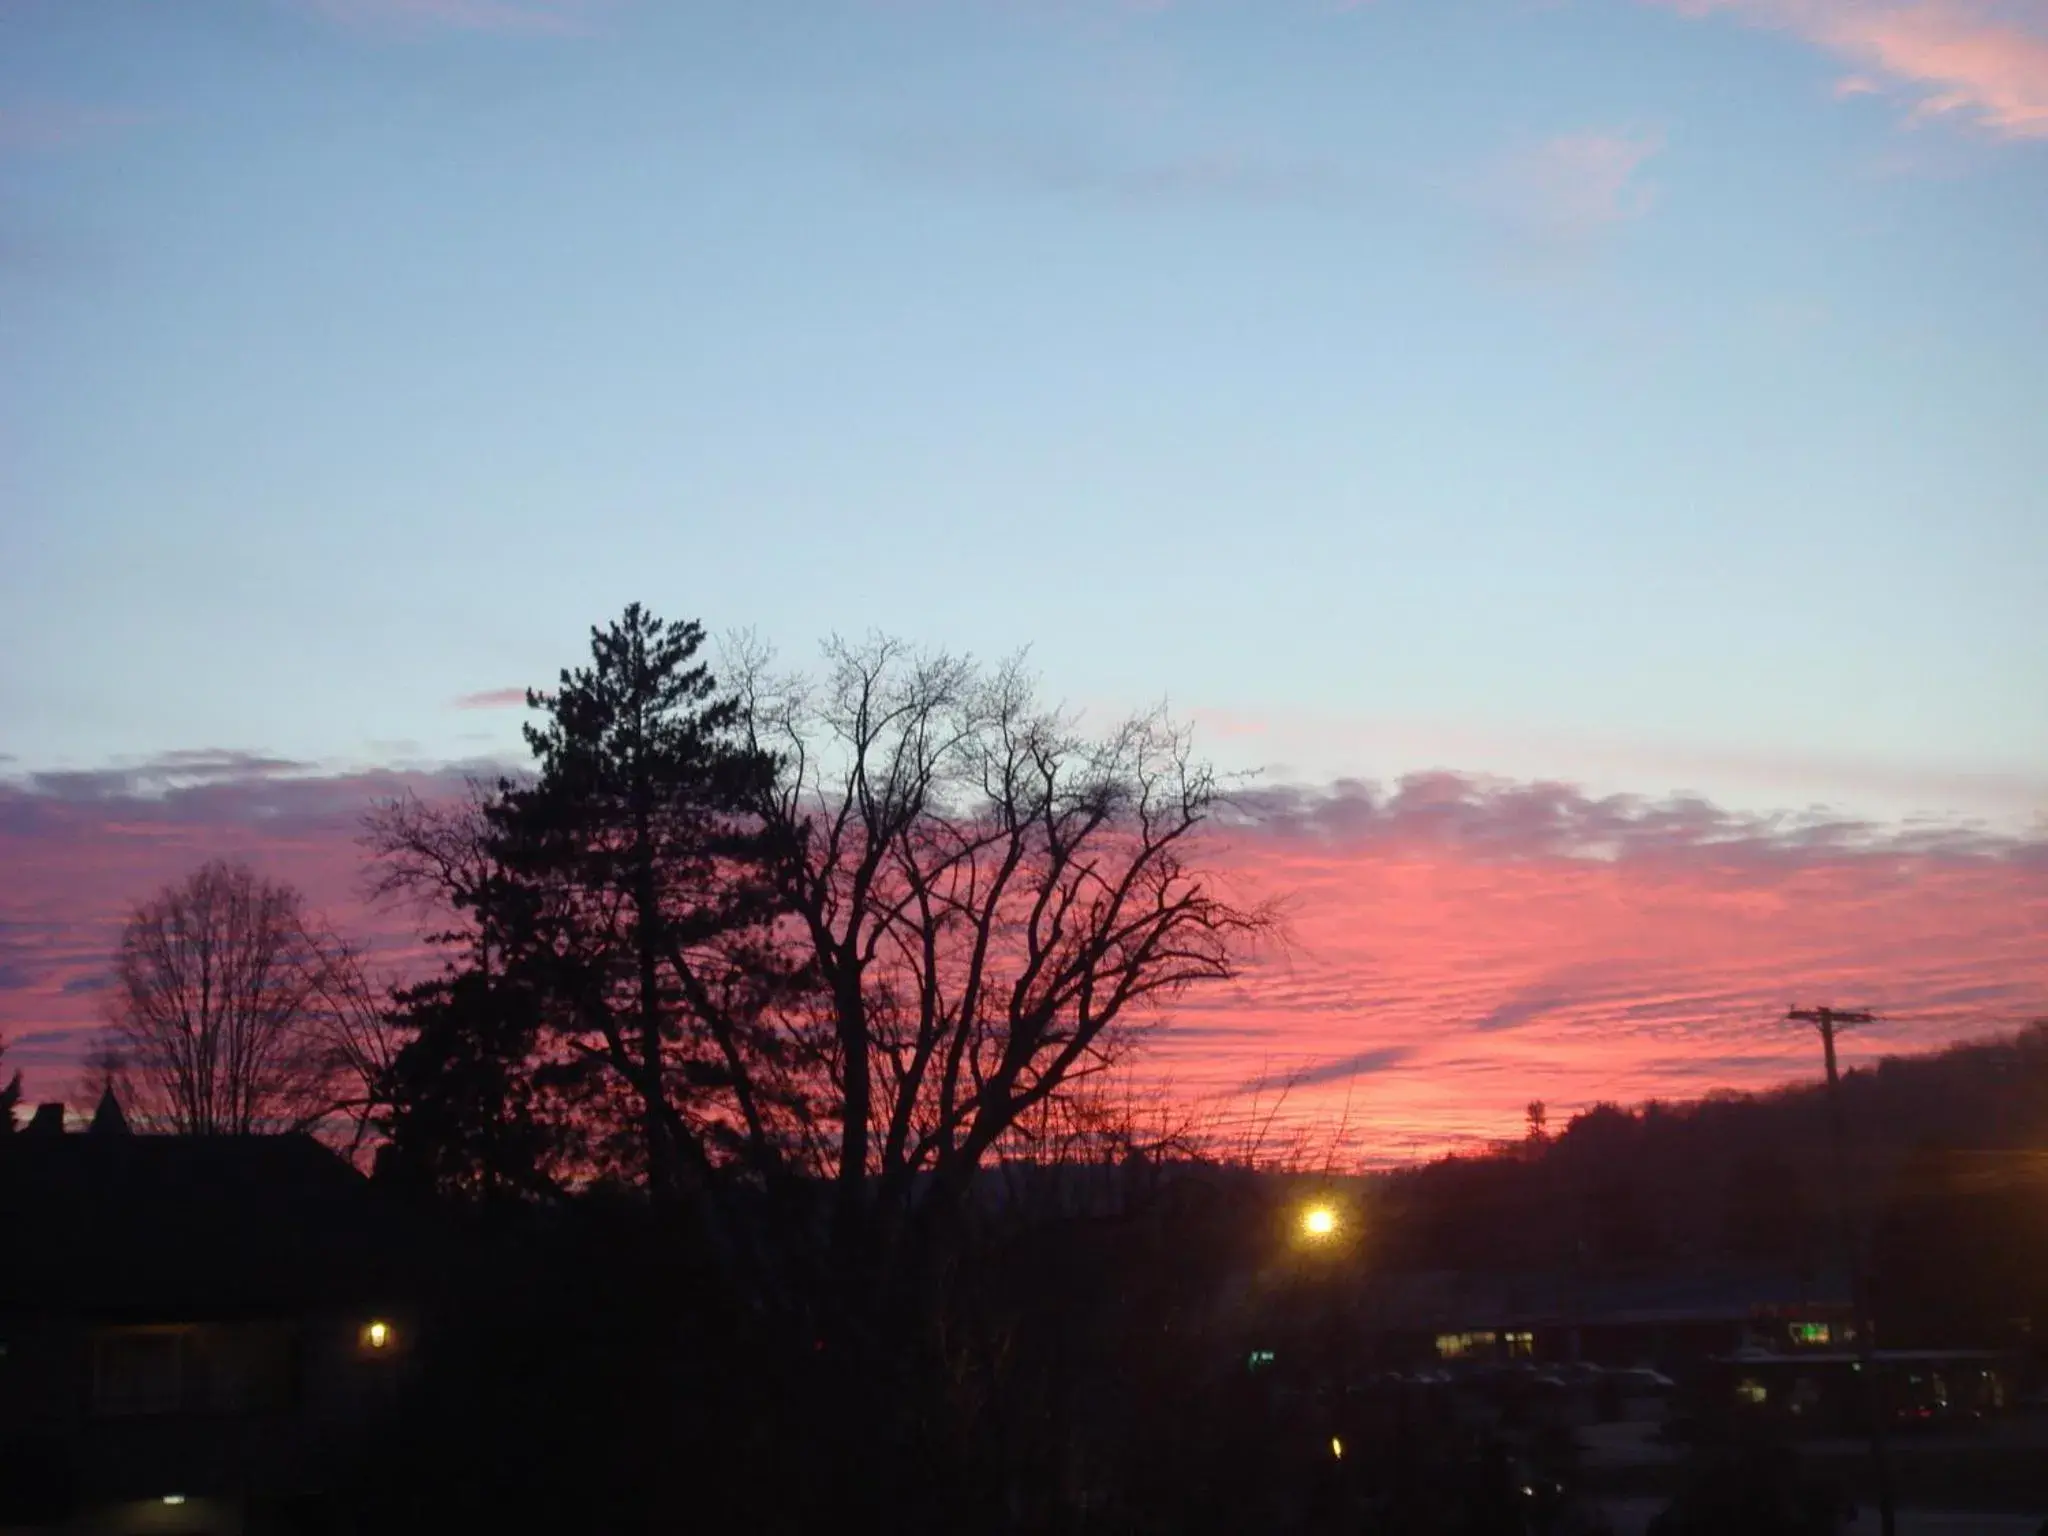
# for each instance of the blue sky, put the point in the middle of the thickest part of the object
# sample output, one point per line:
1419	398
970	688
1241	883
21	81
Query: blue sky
1644	395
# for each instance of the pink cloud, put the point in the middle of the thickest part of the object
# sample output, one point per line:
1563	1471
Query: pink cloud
1986	60
81	848
1459	945
1558	199
1521	941
1223	722
493	698
1588	180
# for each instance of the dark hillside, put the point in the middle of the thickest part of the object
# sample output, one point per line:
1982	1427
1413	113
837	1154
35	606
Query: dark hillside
1946	1177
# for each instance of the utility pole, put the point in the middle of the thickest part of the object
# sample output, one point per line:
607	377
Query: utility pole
1826	1020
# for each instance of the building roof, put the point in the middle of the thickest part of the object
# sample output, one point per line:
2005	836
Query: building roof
109	1222
1461	1300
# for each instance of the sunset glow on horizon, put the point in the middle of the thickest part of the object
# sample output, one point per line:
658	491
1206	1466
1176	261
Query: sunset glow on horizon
1453	949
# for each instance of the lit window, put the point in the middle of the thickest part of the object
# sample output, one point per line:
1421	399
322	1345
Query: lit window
1261	1357
1458	1346
1812	1333
1521	1346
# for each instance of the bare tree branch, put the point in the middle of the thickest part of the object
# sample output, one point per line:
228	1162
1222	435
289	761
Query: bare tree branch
236	1011
996	903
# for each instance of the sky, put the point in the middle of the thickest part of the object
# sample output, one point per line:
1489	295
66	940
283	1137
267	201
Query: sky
1585	454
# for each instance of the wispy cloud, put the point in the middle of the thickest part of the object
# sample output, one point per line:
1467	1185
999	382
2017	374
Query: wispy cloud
165	773
1983	60
1333	743
519	18
1342	1070
493	698
1497	818
1099	174
1564	195
52	125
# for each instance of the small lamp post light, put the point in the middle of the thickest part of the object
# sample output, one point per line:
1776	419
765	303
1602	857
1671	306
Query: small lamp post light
377	1335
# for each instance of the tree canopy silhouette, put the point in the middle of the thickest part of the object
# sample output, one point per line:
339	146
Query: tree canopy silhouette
806	934
991	901
612	936
237	1012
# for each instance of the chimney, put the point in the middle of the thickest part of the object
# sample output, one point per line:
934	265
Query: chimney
48	1121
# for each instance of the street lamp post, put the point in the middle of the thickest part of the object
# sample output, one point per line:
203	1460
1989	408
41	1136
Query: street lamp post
1320	1230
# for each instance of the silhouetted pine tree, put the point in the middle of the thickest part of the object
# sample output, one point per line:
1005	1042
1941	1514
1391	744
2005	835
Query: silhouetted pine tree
618	953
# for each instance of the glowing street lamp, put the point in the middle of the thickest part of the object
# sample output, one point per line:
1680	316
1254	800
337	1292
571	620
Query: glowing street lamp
377	1335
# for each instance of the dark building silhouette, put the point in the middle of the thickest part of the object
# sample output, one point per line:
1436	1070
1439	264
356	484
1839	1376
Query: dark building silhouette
1668	1319
196	1333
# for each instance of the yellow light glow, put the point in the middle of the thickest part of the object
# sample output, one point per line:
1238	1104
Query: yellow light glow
1336	1448
377	1335
1319	1221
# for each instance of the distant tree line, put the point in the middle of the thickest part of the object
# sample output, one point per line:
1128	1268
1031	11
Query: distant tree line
1945	1188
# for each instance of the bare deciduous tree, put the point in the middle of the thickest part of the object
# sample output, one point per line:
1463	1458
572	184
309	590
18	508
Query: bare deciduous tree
437	857
995	904
347	1023
237	1013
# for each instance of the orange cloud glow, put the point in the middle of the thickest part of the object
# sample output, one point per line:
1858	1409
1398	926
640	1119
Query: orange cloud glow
1459	946
1474	946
